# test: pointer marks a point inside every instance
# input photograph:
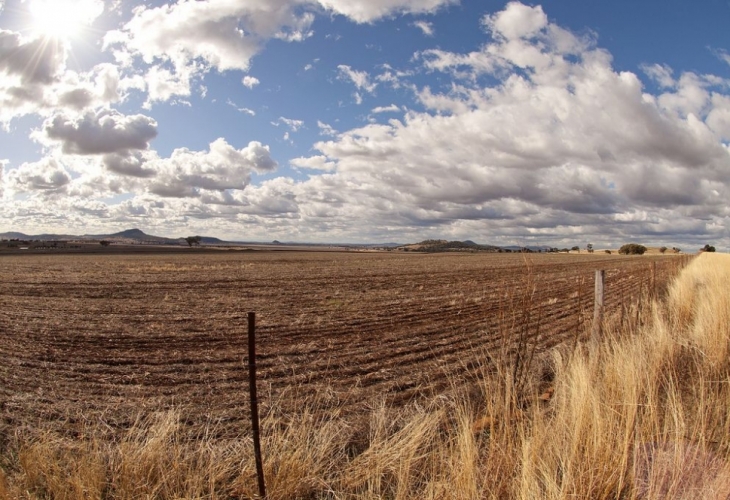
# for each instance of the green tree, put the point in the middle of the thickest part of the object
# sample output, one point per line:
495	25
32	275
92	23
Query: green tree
632	249
708	248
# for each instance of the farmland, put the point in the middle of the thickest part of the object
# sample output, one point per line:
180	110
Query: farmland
98	339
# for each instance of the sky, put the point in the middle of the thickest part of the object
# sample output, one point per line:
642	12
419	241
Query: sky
362	121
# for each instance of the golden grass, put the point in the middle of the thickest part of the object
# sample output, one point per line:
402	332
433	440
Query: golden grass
644	414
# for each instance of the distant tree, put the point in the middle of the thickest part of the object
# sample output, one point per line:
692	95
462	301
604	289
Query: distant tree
105	243
676	249
576	248
663	249
708	248
193	240
589	247
632	249
608	252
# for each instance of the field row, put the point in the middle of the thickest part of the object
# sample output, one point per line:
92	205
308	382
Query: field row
103	338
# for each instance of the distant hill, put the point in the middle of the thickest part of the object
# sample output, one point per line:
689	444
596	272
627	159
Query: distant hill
135	234
129	235
449	246
14	235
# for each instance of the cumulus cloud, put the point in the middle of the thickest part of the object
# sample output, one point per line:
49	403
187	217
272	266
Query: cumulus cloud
32	61
47	176
102	132
28	68
314	162
536	138
34	79
129	163
386	109
250	81
195	36
367	11
516	21
660	73
186	173
561	141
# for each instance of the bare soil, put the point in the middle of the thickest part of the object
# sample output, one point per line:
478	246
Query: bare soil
97	340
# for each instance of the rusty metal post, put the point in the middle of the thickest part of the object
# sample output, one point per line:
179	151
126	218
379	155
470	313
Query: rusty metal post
255	403
598	307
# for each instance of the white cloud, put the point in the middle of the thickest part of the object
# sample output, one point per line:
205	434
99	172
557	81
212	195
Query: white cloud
558	146
34	61
162	84
48	176
294	125
314	162
244	110
660	73
386	109
425	27
516	21
367	11
102	132
565	142
361	79
189	173
325	129
194	36
250	81
310	66
723	55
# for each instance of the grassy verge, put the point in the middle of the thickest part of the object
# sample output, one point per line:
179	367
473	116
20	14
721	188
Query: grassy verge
644	414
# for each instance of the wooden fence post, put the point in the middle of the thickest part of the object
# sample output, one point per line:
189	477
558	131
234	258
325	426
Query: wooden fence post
598	307
255	403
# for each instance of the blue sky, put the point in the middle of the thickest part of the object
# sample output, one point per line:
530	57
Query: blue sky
559	123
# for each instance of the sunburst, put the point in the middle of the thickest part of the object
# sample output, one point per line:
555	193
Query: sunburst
63	18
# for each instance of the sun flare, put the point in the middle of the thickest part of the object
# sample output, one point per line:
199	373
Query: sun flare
63	18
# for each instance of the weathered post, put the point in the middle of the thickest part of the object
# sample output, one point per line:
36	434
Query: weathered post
254	402
598	307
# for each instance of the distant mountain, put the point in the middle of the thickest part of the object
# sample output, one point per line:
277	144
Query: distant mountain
134	234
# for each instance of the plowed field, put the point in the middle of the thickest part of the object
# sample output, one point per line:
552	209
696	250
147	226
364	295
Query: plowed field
99	339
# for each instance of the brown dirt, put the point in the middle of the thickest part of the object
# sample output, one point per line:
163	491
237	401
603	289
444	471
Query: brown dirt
97	340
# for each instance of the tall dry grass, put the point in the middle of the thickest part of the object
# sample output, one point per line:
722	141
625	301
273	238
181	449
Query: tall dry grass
644	414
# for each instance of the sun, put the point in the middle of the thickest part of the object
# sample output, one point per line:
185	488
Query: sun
63	18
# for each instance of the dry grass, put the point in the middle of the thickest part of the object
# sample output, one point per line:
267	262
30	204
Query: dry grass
644	414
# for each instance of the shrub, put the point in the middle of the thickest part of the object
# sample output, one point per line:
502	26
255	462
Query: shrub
708	248
663	249
632	249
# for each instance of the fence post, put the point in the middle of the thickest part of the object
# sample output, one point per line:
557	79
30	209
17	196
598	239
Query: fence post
255	403
598	307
